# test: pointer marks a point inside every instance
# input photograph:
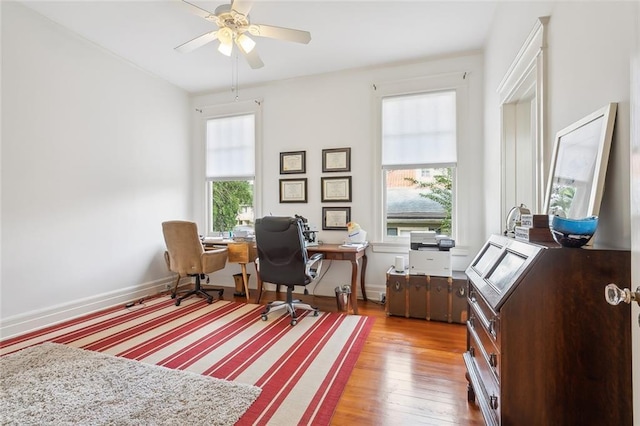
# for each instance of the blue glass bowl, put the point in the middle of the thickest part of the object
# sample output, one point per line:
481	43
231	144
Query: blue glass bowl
573	232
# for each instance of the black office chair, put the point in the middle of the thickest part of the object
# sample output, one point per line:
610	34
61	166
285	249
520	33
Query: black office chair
283	260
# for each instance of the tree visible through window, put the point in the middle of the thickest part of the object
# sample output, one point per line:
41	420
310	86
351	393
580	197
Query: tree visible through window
230	166
232	203
438	188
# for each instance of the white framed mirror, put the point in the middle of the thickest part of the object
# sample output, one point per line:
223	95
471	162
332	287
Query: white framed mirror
579	165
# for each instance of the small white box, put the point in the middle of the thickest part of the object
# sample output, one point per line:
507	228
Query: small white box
430	262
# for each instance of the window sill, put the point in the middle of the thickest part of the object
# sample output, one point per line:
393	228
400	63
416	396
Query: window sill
390	247
404	248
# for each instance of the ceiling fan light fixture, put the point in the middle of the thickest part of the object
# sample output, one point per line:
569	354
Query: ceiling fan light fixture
246	43
225	48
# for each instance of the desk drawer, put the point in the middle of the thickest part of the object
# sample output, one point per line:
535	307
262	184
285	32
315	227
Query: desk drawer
335	256
241	252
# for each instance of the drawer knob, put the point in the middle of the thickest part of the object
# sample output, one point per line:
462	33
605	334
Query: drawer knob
493	360
493	402
492	326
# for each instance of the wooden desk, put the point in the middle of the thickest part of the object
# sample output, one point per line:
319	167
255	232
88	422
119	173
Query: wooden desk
239	252
336	252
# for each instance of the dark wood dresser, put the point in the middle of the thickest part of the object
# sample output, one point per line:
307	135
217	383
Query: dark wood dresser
543	345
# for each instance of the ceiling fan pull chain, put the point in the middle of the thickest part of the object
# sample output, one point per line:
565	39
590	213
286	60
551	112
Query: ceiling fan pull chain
234	76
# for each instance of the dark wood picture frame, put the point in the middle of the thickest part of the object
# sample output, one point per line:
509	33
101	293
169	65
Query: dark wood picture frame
293	190
335	218
336	189
293	162
336	160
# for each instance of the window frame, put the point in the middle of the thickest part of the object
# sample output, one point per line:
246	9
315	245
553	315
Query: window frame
203	202
455	81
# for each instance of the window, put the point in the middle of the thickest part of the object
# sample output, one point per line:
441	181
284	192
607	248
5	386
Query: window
418	158
230	171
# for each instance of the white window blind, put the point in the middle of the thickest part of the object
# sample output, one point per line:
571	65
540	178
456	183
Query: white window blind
231	147
419	130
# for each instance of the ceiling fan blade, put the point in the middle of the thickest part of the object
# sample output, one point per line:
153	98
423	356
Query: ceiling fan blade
288	34
205	14
242	6
253	59
197	42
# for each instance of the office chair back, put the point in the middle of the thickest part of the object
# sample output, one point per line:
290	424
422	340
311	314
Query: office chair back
184	247
281	251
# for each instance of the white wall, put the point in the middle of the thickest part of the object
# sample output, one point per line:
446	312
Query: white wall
589	46
96	153
95	157
336	110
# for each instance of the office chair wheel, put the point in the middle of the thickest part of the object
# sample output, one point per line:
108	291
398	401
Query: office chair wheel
316	313
178	302
264	317
220	293
173	295
294	321
209	300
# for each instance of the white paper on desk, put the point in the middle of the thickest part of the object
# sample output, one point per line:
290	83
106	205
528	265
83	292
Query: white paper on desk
357	246
211	240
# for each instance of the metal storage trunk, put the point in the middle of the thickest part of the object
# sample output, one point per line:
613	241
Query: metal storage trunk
427	297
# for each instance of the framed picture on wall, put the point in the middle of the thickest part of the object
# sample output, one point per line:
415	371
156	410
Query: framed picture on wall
293	190
336	189
336	160
292	162
336	218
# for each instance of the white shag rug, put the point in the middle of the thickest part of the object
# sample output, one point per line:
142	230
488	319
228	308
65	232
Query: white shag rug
60	385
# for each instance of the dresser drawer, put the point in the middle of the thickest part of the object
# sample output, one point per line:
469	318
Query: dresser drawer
484	343
484	315
487	387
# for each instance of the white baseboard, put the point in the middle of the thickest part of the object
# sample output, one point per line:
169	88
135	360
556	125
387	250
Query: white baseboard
33	320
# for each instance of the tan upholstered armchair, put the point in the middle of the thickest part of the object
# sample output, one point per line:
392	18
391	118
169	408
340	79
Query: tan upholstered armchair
186	256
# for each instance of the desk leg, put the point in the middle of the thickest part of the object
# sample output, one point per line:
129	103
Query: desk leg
354	286
259	281
245	279
363	270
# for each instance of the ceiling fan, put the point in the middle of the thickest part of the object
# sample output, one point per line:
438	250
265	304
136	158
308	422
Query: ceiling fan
234	27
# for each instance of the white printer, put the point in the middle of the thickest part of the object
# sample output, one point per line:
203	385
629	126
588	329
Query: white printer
426	257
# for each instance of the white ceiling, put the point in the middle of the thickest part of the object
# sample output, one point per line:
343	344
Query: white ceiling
344	34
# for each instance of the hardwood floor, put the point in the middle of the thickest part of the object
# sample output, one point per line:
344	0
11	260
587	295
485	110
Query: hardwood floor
410	371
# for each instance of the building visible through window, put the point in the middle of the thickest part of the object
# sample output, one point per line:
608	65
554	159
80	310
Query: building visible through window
411	206
418	162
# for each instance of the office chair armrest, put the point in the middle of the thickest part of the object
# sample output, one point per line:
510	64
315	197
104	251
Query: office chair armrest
214	260
313	260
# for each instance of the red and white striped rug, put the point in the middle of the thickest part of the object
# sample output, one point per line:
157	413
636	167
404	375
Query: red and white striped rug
302	370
